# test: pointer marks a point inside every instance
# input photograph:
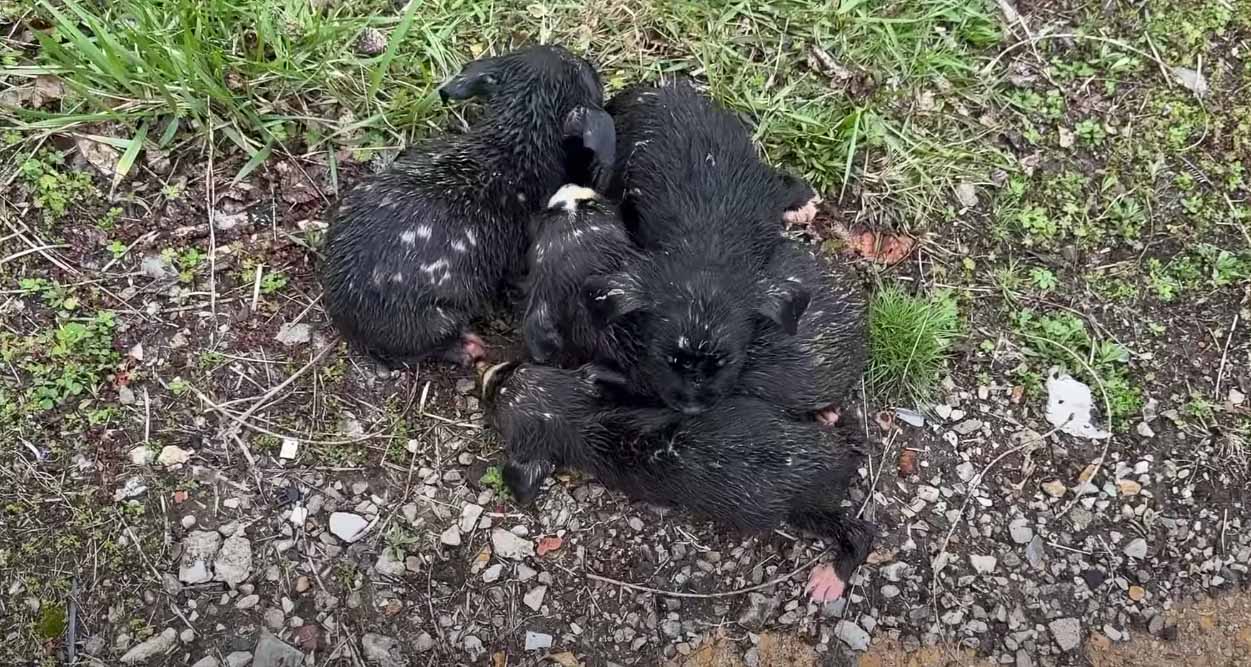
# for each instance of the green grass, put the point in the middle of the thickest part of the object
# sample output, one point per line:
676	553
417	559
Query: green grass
268	76
910	337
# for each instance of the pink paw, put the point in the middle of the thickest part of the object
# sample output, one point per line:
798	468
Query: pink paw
803	215
824	584
829	416
469	353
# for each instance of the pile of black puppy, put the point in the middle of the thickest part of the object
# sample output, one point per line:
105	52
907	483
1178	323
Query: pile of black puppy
681	349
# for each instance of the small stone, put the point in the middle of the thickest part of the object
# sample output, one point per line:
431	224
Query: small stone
469	517
1067	632
238	659
388	565
759	607
206	661
273	618
294	334
1136	549
172	456
450	537
1055	488
537	640
424	643
525	572
966	193
247	601
155	646
983	564
233	563
198	549
1035	551
347	526
895	571
1020	531
302	584
534	598
273	652
1156	625
156	268
965	471
507	545
890	591
492	574
1137	593
382	650
1145	430
636	524
464	386
852	635
928	493
1128	487
968	427
141	456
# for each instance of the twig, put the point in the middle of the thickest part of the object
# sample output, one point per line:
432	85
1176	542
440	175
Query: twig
155	573
210	196
242	418
30	251
1031	41
705	596
256	286
142	237
71	626
1220	374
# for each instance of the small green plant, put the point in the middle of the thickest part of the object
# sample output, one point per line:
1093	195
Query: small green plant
117	249
273	281
178	386
1043	278
54	187
493	478
65	362
909	336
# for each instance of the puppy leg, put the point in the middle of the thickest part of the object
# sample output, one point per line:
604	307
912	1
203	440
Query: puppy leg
465	351
799	202
852	540
829	415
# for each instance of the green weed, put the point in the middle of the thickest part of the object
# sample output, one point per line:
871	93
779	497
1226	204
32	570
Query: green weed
910	336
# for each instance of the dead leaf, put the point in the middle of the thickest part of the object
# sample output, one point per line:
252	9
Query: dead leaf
1191	80
880	247
1018	392
482	559
101	155
907	462
565	659
499	659
48	88
548	545
297	188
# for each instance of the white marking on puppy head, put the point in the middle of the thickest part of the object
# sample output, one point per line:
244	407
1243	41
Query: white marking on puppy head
424	231
683	343
409	237
398	277
471	237
521	197
435	266
568	196
459	246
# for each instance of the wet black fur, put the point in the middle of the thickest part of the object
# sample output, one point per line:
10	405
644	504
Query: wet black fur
744	463
415	253
708	212
569	246
821	363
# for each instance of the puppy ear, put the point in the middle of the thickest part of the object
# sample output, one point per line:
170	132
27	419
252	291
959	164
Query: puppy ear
594	129
476	79
784	304
542	339
523	478
609	298
605	378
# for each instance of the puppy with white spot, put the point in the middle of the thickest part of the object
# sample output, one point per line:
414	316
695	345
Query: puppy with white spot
414	254
577	236
744	462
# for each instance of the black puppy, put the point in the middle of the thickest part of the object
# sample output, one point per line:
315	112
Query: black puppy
708	212
415	253
811	371
744	462
577	236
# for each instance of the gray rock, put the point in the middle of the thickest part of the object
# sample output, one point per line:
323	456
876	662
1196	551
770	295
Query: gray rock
347	526
273	652
507	545
473	646
469	517
492	574
928	493
1020	531
1023	659
156	268
155	646
247	601
671	628
983	564
538	640
382	650
890	591
424	642
206	661
895	571
294	334
388	565
273	618
198	549
234	562
759	608
1035	552
450	537
1067	632
852	635
464	386
534	598
967	427
238	659
636	524
1136	549
965	471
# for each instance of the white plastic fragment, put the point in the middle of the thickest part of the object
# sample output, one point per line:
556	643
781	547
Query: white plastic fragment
1069	405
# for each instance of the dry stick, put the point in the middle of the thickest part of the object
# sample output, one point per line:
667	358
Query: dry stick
705	596
1072	35
155	573
210	196
30	251
243	446
242	418
1220	374
1107	414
